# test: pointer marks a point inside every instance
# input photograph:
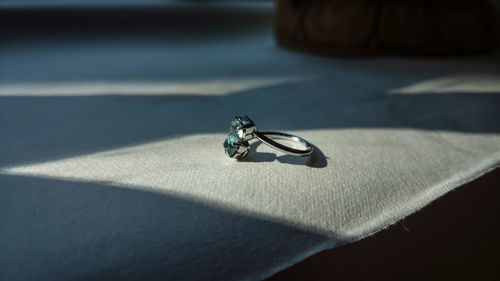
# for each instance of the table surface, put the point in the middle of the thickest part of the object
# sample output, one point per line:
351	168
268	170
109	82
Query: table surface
111	131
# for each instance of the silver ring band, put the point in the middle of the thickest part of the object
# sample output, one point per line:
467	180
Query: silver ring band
262	136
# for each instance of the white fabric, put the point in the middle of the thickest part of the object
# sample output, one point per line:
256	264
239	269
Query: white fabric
120	172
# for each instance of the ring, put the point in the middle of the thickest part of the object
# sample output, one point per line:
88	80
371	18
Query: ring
243	130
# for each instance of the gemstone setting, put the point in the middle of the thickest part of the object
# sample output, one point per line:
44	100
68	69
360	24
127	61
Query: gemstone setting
236	144
231	145
242	128
235	148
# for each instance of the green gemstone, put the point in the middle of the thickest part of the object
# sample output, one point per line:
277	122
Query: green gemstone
234	128
231	145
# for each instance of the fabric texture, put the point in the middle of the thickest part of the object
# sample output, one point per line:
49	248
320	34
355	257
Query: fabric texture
112	165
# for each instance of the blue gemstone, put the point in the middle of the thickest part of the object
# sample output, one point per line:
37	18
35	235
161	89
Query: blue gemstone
231	145
235	128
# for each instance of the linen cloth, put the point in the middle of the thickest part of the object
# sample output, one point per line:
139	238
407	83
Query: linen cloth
112	166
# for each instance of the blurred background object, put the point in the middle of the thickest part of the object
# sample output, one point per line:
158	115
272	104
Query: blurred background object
372	27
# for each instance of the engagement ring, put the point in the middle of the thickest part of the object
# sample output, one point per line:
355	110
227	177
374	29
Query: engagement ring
243	130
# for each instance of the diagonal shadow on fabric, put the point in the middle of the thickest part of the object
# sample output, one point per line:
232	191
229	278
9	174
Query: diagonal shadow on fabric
55	127
98	231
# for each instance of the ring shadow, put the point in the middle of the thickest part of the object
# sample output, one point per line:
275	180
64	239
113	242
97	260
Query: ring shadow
316	160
